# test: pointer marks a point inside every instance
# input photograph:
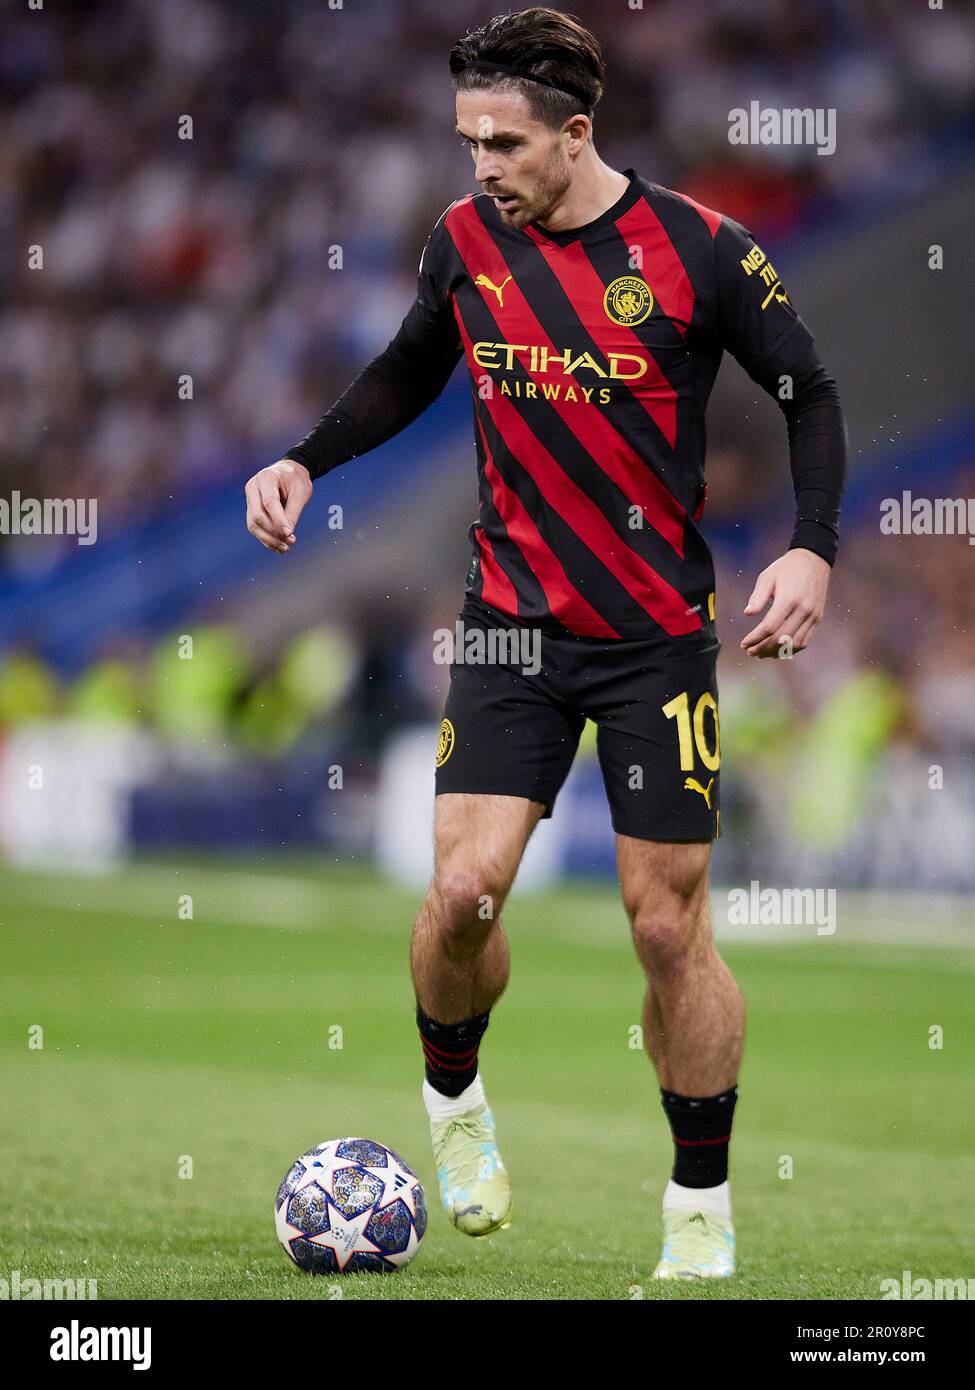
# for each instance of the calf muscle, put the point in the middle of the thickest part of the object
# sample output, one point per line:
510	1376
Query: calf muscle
459	952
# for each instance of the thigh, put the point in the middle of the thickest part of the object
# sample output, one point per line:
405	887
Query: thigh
656	877
505	734
659	746
479	840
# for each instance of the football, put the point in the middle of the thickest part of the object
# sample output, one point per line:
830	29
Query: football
350	1205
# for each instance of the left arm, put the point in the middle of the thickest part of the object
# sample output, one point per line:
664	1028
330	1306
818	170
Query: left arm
763	331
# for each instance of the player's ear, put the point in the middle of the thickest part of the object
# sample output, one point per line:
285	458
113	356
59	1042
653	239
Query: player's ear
578	129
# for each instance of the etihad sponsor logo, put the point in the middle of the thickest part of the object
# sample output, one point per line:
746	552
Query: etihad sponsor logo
628	300
541	359
490	285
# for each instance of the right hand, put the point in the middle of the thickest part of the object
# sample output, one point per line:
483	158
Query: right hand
276	497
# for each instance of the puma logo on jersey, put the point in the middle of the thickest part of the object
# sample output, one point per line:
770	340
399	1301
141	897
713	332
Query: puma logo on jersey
691	784
489	284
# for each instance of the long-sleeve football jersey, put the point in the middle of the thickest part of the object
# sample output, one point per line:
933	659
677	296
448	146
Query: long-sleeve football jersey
592	353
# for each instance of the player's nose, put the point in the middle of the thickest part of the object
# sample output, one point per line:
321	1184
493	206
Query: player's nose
487	169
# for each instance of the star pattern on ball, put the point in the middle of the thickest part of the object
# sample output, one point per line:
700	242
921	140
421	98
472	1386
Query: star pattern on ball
314	1169
394	1188
346	1235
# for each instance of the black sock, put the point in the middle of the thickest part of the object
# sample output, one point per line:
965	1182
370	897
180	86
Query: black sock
701	1127
450	1051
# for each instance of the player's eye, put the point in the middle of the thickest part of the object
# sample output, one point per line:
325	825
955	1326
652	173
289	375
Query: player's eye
505	146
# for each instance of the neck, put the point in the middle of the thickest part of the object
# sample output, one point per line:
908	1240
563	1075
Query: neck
595	187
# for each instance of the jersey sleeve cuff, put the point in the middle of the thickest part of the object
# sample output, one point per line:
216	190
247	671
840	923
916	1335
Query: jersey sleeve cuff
816	536
333	441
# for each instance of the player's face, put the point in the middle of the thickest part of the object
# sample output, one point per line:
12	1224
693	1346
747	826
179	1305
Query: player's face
521	163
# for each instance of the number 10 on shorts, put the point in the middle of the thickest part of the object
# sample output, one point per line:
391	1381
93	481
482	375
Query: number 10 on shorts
691	732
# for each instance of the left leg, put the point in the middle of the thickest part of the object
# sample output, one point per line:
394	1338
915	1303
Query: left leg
656	707
693	1030
693	1012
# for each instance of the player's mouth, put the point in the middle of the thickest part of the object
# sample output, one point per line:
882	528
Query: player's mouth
505	204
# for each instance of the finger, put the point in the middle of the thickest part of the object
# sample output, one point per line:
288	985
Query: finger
797	626
759	635
805	632
775	621
272	542
258	527
762	592
779	647
253	499
791	635
271	502
295	505
257	520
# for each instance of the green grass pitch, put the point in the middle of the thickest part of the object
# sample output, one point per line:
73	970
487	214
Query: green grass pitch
209	1037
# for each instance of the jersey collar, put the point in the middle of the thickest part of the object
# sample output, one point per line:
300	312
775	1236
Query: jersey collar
627	198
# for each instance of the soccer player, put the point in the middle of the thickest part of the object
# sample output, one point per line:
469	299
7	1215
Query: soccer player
592	308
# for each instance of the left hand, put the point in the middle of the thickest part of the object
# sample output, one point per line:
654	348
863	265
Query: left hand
796	585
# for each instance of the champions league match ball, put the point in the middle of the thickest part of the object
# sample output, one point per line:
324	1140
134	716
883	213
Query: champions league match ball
349	1205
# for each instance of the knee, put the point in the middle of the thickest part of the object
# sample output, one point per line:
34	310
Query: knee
468	900
665	935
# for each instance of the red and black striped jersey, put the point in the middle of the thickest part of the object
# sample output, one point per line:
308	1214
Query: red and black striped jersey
592	353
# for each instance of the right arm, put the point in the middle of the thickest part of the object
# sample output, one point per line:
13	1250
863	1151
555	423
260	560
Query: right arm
384	398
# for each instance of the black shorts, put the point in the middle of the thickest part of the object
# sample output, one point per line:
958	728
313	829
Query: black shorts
519	698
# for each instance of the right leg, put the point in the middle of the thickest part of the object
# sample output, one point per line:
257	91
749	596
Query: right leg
506	743
459	962
459	953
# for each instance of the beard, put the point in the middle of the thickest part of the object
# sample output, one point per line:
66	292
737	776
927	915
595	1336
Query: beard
551	186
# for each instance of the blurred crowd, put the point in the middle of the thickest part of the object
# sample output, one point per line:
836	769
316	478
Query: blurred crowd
187	168
854	760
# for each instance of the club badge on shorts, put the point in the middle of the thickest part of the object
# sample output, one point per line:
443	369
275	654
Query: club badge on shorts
445	743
